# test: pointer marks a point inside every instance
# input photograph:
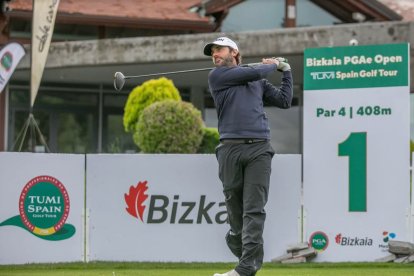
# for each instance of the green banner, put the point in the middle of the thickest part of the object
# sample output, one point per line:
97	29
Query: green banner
356	67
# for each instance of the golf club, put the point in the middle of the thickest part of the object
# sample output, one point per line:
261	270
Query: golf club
119	78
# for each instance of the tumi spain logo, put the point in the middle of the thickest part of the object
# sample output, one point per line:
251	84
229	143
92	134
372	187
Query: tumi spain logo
164	209
44	207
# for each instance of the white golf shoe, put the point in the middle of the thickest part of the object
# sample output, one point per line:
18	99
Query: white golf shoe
230	273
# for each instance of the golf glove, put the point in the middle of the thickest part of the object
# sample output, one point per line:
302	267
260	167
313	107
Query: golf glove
283	65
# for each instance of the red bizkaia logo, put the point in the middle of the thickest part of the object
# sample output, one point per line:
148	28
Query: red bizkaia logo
338	238
135	200
352	241
170	209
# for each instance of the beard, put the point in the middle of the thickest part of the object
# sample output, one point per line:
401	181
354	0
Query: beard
225	61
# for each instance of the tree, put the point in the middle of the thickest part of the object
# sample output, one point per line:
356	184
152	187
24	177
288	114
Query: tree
211	139
169	127
144	95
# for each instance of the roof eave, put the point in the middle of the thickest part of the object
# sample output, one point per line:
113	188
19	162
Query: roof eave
116	21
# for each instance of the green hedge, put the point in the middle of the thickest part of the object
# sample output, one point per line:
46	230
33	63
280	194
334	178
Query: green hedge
211	139
169	127
144	95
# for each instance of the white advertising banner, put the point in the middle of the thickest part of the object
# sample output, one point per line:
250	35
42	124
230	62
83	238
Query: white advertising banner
149	207
44	16
42	202
356	150
10	56
412	201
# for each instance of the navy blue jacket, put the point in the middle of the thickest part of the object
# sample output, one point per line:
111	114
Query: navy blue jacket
239	94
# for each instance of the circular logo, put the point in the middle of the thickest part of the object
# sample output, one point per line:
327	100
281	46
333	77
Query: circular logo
44	205
7	61
319	240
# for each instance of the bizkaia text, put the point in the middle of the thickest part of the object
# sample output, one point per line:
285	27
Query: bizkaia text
185	212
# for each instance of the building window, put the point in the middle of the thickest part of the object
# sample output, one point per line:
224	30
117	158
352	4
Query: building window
66	121
114	137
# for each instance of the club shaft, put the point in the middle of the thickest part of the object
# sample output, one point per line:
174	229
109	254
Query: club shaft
168	73
182	71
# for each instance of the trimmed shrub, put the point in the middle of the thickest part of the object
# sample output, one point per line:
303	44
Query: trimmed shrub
169	127
144	95
211	139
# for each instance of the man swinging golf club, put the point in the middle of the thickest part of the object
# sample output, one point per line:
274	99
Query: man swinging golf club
244	154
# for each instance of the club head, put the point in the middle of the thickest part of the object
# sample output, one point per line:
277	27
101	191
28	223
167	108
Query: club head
119	81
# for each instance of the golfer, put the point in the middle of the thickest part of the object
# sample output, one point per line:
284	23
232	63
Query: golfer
244	154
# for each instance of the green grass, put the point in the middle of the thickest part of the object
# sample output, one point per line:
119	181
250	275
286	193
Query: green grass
200	269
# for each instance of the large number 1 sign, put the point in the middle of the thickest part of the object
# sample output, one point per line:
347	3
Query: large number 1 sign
356	149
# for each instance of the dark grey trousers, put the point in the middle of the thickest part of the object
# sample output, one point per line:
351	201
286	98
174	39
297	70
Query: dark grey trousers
244	170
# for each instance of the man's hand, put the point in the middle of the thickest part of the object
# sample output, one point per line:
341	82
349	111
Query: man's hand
283	65
280	62
270	61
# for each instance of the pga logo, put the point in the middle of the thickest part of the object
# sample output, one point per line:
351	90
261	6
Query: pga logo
323	75
319	241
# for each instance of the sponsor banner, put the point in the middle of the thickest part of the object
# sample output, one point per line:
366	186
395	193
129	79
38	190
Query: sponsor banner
367	245
10	56
356	67
44	16
151	207
356	151
42	205
412	196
